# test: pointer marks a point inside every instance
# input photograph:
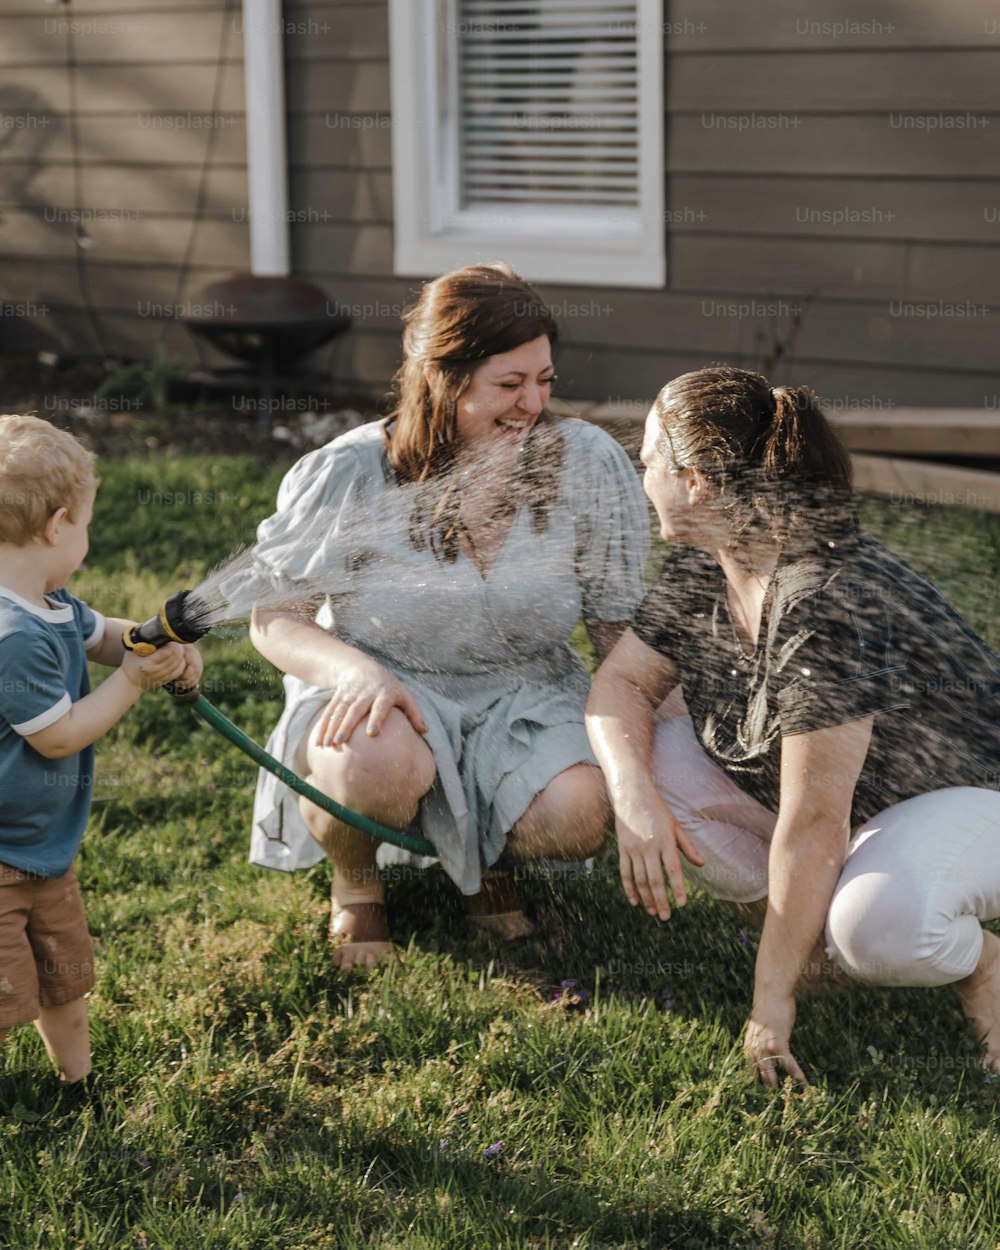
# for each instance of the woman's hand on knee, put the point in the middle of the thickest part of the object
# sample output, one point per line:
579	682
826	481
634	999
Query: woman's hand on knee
649	838
363	689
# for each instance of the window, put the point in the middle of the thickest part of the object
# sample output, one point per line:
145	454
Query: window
530	131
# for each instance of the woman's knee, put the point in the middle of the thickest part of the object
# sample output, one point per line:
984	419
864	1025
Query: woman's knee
576	803
868	936
395	763
735	870
877	933
920	876
581	793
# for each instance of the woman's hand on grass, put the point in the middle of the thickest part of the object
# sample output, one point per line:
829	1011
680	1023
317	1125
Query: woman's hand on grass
649	837
767	1042
365	688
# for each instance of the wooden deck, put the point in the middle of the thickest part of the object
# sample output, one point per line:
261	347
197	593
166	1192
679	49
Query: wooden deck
923	482
973	432
968	432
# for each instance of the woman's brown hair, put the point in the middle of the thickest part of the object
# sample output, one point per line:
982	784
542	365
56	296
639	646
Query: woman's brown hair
769	453
460	320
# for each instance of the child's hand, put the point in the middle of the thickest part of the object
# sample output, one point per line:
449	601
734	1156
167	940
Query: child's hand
193	667
150	671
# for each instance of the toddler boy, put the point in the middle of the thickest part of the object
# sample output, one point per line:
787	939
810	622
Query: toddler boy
49	722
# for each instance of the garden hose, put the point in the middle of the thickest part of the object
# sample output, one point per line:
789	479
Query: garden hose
208	712
185	617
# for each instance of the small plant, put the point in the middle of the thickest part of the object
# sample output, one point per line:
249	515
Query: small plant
145	382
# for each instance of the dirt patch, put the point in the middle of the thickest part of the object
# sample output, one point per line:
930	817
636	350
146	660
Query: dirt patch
131	411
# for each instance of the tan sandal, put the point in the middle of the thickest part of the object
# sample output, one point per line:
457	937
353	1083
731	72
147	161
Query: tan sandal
359	934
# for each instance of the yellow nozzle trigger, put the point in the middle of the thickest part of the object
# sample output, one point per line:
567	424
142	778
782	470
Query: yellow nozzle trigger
140	648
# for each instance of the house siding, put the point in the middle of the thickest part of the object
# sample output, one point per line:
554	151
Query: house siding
159	116
808	205
757	235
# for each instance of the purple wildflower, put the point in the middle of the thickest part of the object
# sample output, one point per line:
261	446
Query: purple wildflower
666	998
491	1152
571	995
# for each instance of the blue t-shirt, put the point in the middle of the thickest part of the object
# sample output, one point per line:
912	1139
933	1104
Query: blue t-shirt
44	803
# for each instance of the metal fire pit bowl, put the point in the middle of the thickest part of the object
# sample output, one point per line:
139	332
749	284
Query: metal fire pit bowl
268	323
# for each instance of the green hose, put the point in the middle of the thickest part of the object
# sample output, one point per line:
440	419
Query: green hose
208	712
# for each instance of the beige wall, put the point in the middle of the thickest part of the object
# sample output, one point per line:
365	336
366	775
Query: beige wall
775	127
150	100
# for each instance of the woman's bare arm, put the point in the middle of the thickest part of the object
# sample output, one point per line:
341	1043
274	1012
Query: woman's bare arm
604	635
294	643
621	712
819	772
621	716
360	687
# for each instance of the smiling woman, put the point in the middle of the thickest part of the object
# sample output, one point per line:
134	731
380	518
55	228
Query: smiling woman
440	559
835	780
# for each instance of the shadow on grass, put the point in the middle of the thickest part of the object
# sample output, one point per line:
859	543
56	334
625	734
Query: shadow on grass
534	1199
699	962
591	945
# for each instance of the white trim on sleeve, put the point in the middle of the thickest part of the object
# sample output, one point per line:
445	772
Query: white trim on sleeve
44	719
97	634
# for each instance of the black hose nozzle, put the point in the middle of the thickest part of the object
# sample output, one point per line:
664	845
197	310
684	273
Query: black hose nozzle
183	618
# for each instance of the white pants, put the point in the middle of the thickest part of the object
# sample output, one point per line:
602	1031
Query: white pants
918	879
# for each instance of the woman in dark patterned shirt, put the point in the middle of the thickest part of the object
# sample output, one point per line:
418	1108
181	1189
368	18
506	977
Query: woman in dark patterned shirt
836	779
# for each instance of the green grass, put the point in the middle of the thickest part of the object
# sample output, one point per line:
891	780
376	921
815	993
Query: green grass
259	1099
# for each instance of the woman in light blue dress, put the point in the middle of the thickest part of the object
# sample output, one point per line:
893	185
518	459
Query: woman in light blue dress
436	563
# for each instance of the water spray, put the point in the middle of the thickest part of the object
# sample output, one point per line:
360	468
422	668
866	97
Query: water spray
186	617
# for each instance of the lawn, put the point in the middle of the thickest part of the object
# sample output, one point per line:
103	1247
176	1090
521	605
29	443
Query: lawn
584	1091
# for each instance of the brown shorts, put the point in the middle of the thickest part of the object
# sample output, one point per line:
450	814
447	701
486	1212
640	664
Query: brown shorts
46	957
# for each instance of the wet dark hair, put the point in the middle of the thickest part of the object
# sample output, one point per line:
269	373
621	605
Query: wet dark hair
769	454
460	320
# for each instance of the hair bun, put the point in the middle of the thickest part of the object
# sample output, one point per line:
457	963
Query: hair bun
785	397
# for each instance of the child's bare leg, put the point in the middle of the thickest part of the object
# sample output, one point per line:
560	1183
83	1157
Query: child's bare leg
979	994
66	1034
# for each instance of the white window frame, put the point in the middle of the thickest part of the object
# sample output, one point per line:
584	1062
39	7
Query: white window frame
618	247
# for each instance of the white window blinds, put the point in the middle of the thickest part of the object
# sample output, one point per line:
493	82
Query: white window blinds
530	131
549	102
